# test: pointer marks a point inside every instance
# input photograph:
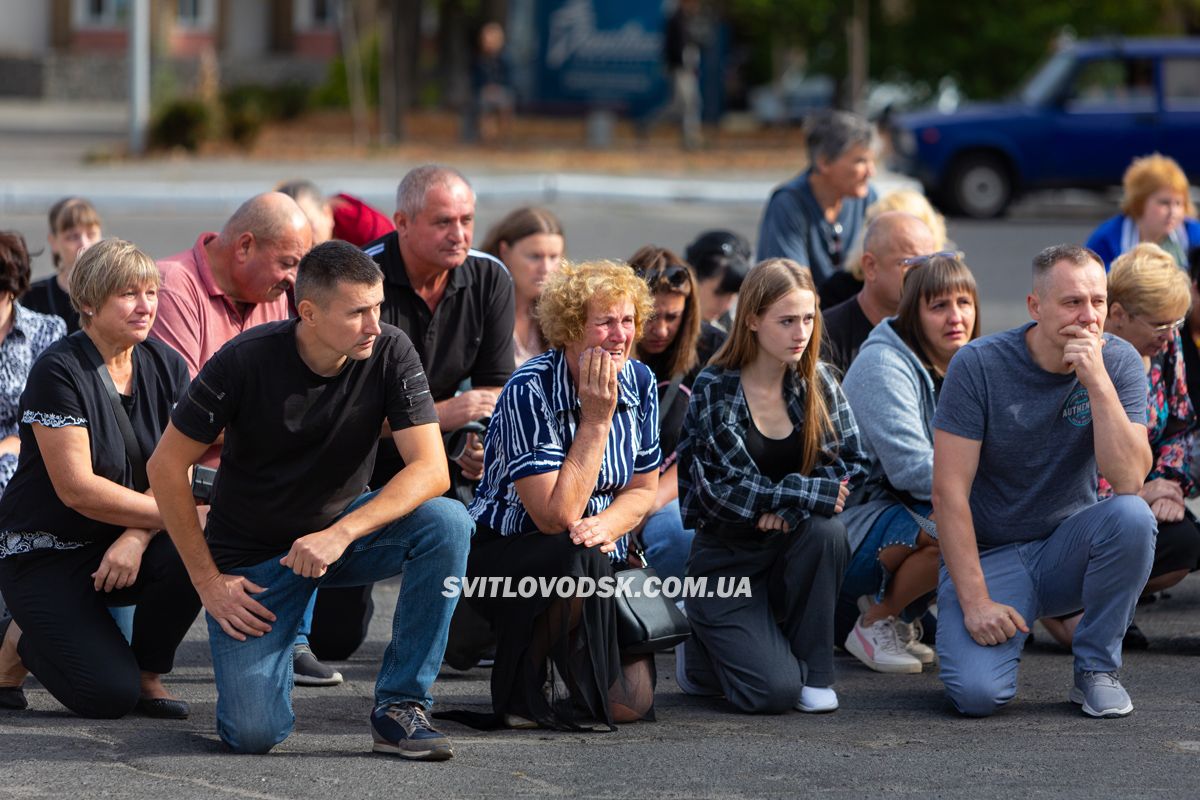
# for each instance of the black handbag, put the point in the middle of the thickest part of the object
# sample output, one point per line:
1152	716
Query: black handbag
645	623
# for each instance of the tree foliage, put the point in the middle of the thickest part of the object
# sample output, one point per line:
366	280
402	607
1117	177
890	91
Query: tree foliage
986	47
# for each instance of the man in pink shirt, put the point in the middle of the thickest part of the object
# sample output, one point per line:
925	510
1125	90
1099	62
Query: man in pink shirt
228	283
231	281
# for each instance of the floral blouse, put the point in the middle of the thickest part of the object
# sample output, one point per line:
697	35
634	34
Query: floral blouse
1170	419
31	334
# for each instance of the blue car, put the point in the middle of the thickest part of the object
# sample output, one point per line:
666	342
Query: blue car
1078	122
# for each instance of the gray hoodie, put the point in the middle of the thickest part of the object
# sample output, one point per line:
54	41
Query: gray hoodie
893	400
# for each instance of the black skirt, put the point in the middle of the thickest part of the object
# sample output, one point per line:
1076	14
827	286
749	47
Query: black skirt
568	688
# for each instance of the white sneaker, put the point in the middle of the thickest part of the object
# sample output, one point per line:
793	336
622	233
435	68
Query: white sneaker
817	700
909	634
879	648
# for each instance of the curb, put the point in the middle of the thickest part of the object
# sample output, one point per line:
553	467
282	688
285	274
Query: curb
33	196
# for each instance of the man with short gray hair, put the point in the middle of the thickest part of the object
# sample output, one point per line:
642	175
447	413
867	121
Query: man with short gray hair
455	303
817	216
1026	420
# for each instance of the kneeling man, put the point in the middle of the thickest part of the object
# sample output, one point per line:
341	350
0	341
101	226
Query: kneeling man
302	403
1025	420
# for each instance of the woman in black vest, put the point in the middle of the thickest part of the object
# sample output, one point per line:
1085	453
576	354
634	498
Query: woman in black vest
77	531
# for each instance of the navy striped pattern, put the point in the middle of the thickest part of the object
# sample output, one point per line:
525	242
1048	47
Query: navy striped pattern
532	429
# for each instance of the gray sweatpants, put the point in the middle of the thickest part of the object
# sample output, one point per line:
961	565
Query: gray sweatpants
760	651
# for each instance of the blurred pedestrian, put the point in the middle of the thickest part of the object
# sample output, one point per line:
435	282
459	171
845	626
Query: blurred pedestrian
816	217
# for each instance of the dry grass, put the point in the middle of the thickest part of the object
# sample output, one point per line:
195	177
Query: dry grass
533	144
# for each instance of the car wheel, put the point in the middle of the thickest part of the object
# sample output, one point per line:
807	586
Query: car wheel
980	186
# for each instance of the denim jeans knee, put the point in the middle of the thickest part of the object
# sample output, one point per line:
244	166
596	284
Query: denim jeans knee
254	677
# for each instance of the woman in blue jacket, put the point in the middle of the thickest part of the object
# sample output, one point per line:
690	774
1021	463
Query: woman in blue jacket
1157	208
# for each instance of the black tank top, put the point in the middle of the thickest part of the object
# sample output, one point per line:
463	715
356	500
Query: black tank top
774	458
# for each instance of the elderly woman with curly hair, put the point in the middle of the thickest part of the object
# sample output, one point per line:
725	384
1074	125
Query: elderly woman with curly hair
1156	209
571	465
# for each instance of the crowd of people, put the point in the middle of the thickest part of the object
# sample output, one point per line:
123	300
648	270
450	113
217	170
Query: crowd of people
316	398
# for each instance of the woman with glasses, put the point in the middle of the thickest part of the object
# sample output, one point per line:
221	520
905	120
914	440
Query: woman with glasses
893	389
1156	209
768	455
816	217
530	243
1148	299
669	347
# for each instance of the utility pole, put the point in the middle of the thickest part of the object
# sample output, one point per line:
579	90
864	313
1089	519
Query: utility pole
139	75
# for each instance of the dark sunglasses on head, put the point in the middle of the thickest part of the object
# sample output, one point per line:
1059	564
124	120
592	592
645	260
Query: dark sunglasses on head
673	275
917	261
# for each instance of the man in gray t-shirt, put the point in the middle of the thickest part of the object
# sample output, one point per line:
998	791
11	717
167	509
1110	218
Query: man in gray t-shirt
1024	421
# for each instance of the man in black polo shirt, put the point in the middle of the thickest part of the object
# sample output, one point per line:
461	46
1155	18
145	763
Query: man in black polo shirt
302	404
455	303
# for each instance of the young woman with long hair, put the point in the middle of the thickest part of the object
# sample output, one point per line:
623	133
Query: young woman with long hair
769	454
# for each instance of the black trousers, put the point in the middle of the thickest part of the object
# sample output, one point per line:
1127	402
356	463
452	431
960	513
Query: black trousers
760	651
71	643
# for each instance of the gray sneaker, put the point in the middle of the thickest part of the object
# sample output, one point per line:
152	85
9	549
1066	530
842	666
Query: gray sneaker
1100	694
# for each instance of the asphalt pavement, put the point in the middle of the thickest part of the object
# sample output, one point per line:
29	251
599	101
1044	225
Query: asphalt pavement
894	735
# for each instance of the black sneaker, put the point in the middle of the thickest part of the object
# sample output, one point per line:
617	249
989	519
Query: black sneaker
1135	639
307	671
402	729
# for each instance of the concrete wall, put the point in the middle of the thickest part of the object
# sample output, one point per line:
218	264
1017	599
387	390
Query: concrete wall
25	30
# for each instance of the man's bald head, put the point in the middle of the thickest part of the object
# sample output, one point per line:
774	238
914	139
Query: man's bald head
260	248
270	216
891	225
891	238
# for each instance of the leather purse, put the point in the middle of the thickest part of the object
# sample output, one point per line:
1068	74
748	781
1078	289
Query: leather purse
645	623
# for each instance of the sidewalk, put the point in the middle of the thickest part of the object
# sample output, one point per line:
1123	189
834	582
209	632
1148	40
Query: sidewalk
50	150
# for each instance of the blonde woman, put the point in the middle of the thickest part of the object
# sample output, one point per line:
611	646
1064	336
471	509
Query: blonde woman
570	467
769	453
77	530
1156	209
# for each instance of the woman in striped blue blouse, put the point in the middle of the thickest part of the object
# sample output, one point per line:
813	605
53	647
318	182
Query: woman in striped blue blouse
570	466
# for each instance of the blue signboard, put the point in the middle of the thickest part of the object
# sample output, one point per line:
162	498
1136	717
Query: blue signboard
589	53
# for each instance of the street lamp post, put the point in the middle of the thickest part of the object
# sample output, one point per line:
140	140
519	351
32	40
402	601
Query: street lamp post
139	74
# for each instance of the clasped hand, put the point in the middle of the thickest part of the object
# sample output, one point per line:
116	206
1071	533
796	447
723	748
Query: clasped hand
593	532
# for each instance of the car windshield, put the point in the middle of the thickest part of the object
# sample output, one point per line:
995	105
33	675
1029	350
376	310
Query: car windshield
1044	83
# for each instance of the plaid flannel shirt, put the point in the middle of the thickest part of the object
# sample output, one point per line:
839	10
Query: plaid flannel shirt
718	479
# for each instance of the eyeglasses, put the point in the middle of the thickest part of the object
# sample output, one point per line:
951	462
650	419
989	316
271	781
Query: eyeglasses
672	275
1165	327
917	261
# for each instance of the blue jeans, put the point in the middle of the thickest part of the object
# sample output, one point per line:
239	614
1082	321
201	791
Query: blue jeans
254	677
667	542
1097	559
867	574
